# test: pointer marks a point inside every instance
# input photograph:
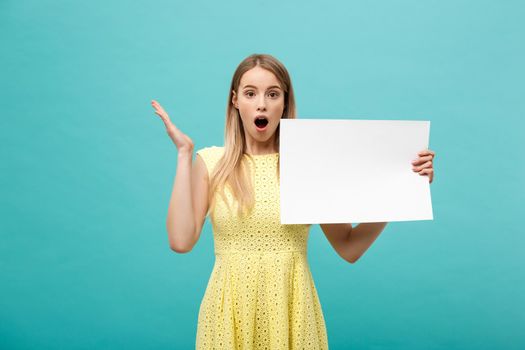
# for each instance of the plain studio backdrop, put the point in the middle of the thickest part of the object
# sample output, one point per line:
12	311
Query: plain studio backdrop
87	168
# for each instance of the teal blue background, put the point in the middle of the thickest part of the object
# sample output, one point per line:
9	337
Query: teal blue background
87	168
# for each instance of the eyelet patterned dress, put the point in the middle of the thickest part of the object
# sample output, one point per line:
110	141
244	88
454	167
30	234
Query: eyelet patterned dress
261	294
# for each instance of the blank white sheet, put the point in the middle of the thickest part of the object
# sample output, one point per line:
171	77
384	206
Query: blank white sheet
352	171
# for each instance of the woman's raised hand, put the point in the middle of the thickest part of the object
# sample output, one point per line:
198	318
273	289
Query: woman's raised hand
423	164
181	140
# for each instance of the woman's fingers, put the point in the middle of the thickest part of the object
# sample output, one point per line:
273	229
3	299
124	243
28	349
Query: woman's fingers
429	172
421	160
426	152
158	107
159	110
181	140
162	114
424	166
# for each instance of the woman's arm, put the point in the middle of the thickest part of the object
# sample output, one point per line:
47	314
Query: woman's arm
179	222
361	238
351	243
188	203
189	197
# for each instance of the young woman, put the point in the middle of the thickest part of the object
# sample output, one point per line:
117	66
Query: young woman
261	294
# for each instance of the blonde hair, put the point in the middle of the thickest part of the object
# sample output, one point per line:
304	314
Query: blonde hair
231	170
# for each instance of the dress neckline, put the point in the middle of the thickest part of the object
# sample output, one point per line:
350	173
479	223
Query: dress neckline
262	155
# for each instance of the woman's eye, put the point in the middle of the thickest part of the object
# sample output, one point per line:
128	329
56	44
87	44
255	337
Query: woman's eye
272	94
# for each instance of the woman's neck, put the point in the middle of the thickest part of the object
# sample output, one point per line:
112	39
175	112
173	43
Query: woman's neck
259	148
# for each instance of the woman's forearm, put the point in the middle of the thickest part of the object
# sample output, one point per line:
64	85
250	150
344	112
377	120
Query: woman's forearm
181	219
362	236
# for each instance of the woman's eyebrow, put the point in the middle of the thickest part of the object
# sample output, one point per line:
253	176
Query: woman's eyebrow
271	87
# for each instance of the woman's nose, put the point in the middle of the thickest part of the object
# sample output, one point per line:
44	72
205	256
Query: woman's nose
261	103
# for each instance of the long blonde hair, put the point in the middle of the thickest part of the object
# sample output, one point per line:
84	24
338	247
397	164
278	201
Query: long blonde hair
231	171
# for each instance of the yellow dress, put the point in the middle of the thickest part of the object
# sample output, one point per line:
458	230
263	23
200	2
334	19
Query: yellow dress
261	294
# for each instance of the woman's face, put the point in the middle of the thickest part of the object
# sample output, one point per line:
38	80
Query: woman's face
259	98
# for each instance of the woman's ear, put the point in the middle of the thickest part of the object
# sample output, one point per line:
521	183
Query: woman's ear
234	99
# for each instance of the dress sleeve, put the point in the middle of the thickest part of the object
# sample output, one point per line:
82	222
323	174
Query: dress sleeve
210	156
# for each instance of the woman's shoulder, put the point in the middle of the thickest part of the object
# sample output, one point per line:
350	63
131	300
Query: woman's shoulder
211	150
210	155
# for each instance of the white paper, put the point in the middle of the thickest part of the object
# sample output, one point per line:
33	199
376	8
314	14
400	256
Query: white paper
352	171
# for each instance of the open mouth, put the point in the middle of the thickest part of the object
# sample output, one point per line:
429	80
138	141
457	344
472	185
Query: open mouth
261	122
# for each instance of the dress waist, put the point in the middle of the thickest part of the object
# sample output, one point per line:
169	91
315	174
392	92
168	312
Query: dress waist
266	252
